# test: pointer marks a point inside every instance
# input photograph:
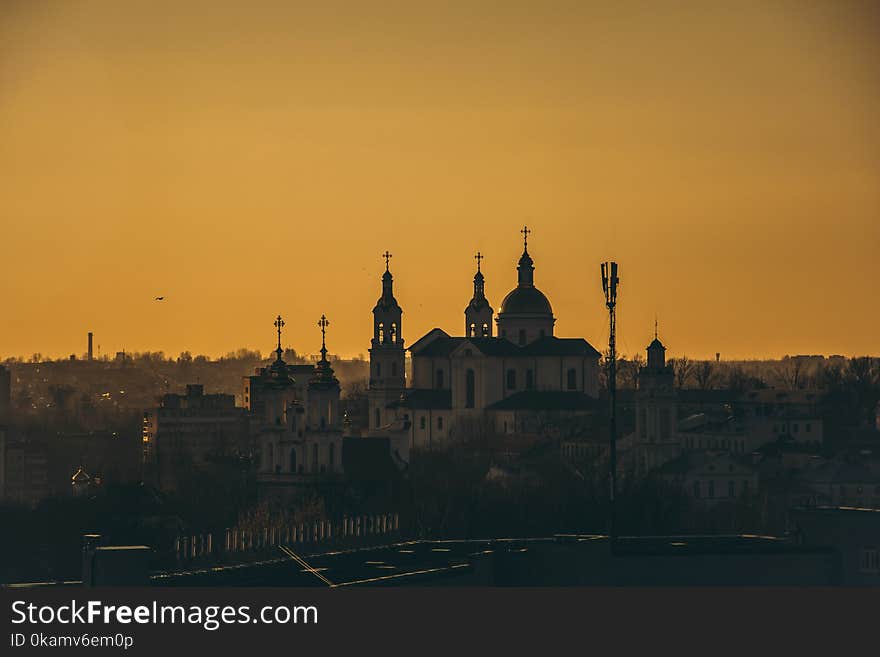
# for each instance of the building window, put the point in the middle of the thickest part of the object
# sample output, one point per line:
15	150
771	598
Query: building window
381	332
440	423
331	455
731	488
378	418
392	334
315	457
808	427
697	488
522	336
511	379
470	392
422	423
293	460
485	330
472	330
439	378
869	562
393	369
529	379
572	376
795	427
711	488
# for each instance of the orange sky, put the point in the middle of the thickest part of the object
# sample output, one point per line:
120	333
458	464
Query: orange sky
251	158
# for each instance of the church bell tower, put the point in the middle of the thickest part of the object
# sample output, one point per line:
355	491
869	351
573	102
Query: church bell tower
478	314
387	354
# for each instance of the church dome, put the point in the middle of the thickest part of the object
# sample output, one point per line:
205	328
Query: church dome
526	300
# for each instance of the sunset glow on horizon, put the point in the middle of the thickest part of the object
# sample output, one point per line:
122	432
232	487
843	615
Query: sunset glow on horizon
249	159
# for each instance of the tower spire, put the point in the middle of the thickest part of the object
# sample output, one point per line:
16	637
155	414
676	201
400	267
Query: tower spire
279	324
525	233
323	376
655	327
526	266
478	258
323	323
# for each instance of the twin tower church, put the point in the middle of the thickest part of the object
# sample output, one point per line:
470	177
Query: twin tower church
508	372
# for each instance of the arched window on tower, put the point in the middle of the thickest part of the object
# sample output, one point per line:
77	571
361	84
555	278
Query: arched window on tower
485	330
392	334
381	332
472	330
572	379
470	392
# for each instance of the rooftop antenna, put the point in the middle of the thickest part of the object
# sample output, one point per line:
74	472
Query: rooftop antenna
610	282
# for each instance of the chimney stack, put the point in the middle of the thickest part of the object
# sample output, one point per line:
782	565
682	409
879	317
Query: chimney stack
91	335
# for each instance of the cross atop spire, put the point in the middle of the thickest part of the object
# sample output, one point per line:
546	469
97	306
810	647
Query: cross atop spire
279	324
478	257
387	257
525	233
323	323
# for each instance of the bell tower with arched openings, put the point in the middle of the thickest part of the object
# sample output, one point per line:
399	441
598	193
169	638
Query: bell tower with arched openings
478	314
387	354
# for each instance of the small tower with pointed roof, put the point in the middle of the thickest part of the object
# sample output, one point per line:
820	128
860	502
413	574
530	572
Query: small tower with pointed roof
269	393
478	314
656	407
323	397
387	354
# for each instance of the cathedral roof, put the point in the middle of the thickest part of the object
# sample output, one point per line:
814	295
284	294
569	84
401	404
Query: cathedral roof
442	347
546	400
526	300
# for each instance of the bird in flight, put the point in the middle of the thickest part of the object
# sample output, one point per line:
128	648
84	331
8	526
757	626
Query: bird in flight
160	298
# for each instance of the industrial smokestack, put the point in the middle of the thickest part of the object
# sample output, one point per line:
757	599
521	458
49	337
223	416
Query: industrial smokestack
91	336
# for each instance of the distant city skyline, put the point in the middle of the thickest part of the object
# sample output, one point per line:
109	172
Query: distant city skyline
247	162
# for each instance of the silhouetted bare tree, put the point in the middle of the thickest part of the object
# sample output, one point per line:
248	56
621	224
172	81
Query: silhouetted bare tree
704	373
683	367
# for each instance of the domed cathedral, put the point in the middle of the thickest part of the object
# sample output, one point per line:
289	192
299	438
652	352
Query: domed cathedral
523	381
525	314
387	354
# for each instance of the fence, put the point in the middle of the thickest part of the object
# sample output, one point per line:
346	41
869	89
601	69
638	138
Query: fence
239	543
